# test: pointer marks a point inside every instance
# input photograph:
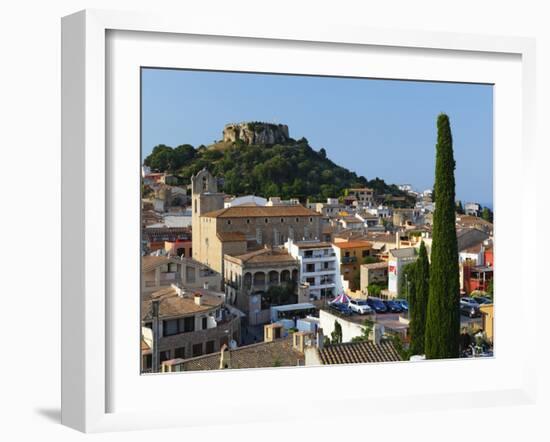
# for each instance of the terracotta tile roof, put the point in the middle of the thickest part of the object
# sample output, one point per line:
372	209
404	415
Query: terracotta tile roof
261	212
313	245
375	265
149	263
380	237
266	255
353	244
171	305
231	236
278	353
405	252
352	220
358	353
467	238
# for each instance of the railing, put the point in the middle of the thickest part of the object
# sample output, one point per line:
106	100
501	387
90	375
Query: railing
323	256
319	271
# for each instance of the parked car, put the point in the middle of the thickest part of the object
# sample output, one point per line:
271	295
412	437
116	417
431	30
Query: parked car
360	306
469	301
470	309
341	308
393	307
377	305
403	303
482	300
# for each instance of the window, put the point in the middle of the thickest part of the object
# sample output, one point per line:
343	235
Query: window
197	349
325	265
297	220
209	347
311	281
176	326
147	362
366	253
282	220
179	353
248	221
266	220
310	268
311	220
190	274
204	323
188	324
164	356
170	327
228	222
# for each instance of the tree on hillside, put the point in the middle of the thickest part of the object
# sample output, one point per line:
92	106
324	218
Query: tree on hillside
167	159
419	301
459	208
487	214
443	316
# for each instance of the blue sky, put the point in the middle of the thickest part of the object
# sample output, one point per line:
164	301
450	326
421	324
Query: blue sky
383	128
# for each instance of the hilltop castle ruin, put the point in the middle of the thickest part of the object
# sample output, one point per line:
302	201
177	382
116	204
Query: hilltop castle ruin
256	133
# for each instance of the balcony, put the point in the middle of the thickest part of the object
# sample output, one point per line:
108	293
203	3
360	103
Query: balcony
319	272
349	259
320	257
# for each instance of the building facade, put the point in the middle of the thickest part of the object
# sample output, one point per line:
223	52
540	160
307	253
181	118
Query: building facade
363	196
398	259
249	277
159	272
190	323
234	231
350	256
318	265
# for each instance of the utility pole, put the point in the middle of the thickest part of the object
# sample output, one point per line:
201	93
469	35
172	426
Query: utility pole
155	310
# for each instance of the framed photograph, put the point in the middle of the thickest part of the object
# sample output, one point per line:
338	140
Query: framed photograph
266	213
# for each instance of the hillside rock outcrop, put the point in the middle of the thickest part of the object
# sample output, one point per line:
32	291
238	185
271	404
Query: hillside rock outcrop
256	133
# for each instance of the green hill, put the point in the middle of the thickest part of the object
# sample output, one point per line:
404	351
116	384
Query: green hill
292	170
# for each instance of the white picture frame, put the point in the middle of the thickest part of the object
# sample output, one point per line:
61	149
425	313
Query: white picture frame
88	319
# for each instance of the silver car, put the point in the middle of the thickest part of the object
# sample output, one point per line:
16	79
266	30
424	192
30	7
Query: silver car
360	306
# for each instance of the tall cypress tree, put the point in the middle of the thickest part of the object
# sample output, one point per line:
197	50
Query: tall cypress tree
419	302
443	315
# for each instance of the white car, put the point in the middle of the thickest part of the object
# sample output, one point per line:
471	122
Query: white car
359	306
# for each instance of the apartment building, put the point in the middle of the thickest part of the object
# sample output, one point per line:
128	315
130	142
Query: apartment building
318	267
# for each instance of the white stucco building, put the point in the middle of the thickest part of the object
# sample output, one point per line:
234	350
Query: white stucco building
318	267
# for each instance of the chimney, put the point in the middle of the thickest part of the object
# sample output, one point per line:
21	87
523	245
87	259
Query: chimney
299	340
320	338
272	332
225	357
198	298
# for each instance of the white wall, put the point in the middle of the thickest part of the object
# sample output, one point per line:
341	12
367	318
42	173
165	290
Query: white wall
350	329
30	143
